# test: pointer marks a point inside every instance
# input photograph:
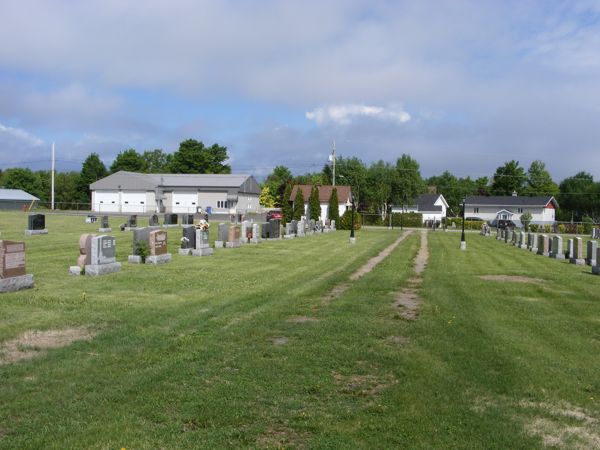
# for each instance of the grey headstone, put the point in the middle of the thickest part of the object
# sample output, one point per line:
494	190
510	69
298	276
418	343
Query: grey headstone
103	250
223	232
543	245
132	221
140	235
202	239
264	234
274	228
557	248
570	251
255	233
170	219
104	222
577	257
153	221
534	243
188	236
592	247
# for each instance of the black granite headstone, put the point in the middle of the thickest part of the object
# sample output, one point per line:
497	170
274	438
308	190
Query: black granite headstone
104	223
36	222
188	233
265	231
132	221
153	221
170	219
274	228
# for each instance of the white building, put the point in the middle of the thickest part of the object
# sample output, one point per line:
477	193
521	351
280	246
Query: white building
344	194
494	208
131	192
433	207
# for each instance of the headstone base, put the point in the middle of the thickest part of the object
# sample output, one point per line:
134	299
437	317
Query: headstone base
158	259
352	240
219	244
130	228
235	244
93	270
523	246
590	262
546	254
171	225
206	251
289	236
533	249
557	256
254	241
596	270
185	251
32	232
75	270
579	262
104	230
134	259
16	283
463	245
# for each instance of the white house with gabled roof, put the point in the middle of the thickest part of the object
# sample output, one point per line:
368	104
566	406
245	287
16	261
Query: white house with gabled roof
510	207
132	192
433	207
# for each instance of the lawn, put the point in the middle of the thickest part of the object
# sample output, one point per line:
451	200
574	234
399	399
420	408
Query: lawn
247	349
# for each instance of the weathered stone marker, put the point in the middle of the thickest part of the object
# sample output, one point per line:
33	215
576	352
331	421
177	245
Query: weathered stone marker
577	256
543	245
13	276
222	234
36	224
202	243
557	248
153	221
188	240
233	237
534	243
255	234
104	225
592	248
170	220
596	267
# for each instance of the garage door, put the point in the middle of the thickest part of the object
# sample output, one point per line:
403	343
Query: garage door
133	202
107	201
185	202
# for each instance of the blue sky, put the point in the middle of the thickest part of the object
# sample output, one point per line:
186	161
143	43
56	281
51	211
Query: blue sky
459	85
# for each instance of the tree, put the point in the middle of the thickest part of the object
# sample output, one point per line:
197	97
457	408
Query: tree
349	171
129	160
334	209
314	206
298	205
508	178
526	220
576	197
286	206
378	187
539	180
65	189
266	199
25	179
277	182
408	183
92	170
156	161
194	157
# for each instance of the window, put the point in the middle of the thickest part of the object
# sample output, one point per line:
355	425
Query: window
113	201
177	203
126	203
519	210
475	210
141	203
101	201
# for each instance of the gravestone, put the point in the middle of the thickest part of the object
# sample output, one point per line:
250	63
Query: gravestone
333	225
244	232
104	225
311	226
497	234
522	239
13	276
265	230
289	228
596	267
141	242
222	234
188	240
543	245
202	244
157	243
101	252
170	220
569	249
534	243
85	252
153	221
319	226
507	234
557	248
301	228
255	234
187	219
294	224
36	224
592	247
274	229
131	222
233	236
577	256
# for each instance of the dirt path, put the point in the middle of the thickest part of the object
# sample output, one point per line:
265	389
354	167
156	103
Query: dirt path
339	289
407	301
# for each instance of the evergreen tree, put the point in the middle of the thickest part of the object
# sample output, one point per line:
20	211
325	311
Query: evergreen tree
266	199
509	178
314	206
92	170
298	205
194	157
129	160
286	205
334	210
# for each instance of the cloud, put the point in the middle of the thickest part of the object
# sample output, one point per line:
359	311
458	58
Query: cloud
19	135
345	114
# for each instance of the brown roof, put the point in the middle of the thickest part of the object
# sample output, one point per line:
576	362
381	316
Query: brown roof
343	192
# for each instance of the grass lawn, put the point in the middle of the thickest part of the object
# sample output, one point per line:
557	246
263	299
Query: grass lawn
243	350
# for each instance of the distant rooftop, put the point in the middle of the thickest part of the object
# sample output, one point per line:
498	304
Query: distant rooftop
16	194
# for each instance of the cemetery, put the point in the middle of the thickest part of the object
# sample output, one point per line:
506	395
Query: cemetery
268	345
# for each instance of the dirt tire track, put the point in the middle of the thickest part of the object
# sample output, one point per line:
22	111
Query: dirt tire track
408	300
340	288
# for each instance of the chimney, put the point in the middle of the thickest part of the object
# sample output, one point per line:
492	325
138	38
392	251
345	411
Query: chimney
514	194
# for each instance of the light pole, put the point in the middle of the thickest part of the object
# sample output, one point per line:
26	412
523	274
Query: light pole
352	238
463	243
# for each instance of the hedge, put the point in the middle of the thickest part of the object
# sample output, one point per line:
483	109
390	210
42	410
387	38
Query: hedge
345	222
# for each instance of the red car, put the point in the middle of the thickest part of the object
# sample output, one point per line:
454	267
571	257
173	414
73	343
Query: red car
274	214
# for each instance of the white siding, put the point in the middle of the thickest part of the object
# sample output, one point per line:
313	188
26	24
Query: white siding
133	202
247	202
106	201
184	202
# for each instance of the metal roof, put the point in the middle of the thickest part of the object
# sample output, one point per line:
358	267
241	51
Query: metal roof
150	181
510	200
16	194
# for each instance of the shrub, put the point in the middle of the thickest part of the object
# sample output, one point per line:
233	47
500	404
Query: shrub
534	227
469	224
588	224
142	250
579	229
298	205
547	228
345	221
374	219
561	228
526	219
414	220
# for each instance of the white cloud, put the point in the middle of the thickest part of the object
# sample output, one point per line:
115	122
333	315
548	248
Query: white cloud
19	135
345	114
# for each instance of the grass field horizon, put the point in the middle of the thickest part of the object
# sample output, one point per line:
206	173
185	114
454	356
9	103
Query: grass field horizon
248	349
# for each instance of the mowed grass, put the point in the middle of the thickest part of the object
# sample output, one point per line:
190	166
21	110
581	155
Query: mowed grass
242	350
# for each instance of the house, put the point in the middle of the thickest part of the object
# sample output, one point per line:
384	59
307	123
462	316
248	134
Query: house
433	207
344	194
510	207
16	199
131	192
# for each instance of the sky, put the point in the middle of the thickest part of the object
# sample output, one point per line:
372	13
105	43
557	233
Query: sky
459	85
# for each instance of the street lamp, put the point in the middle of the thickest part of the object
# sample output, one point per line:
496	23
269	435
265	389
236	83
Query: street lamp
463	243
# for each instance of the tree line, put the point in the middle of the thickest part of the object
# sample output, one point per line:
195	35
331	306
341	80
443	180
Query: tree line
376	186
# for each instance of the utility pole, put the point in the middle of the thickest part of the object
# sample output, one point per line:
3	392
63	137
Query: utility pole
52	180
333	159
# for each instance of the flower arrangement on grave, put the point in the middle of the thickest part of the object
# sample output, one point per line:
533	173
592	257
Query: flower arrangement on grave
184	242
202	225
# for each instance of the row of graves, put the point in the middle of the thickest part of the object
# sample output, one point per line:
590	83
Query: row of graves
552	246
